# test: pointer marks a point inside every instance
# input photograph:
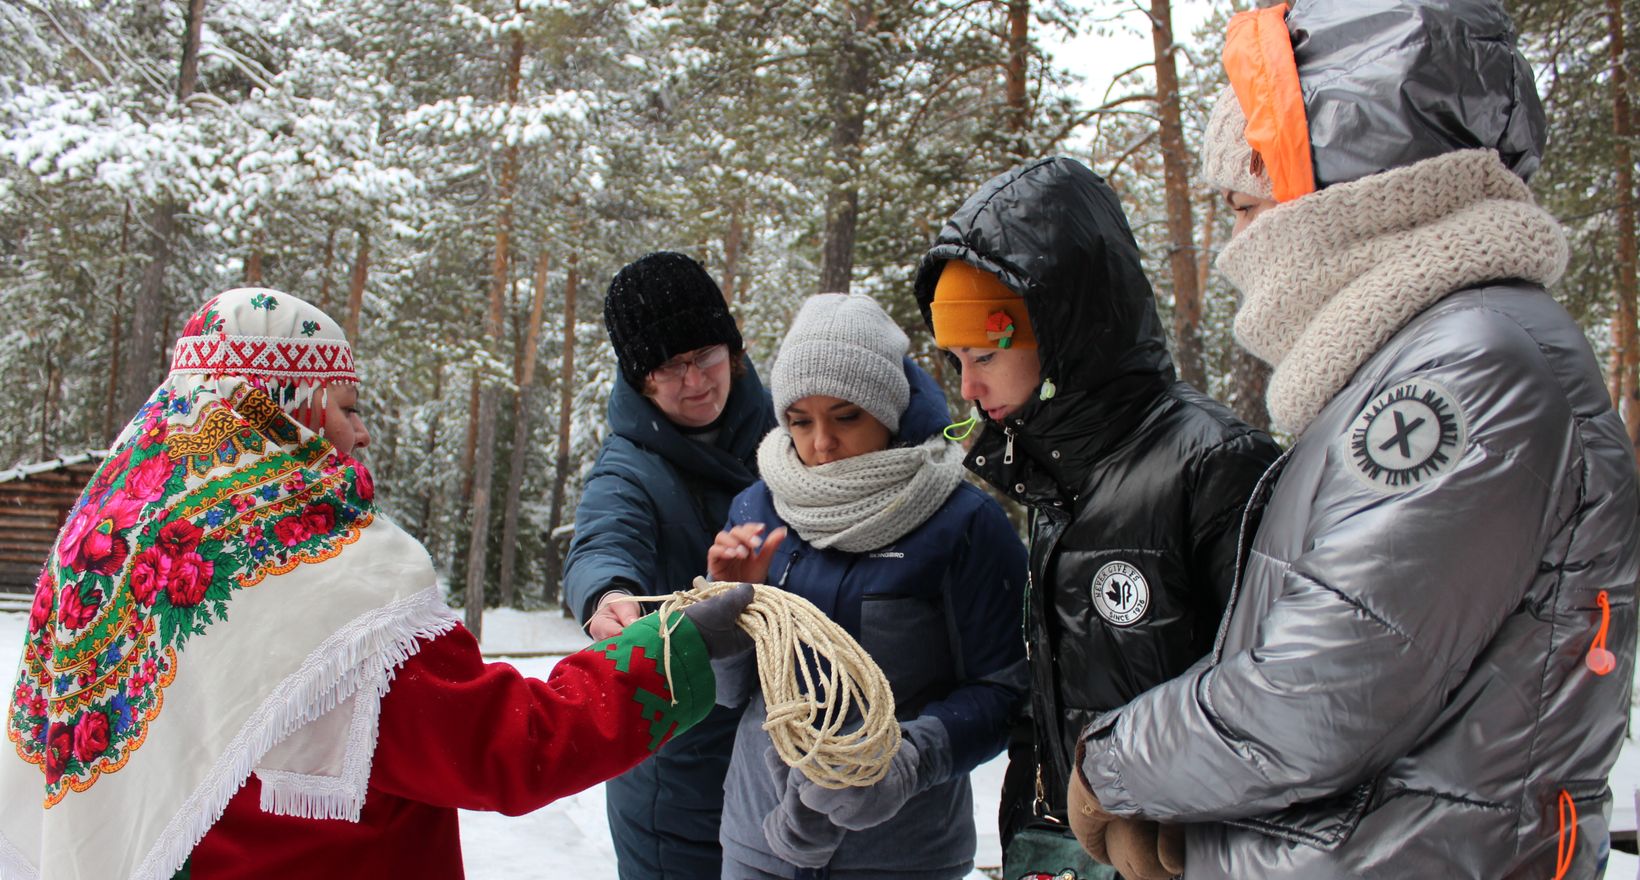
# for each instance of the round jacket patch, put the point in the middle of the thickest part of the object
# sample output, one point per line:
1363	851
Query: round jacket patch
1120	593
1408	435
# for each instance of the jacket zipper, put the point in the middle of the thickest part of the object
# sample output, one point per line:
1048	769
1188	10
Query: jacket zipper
1025	612
1261	490
1043	525
1008	449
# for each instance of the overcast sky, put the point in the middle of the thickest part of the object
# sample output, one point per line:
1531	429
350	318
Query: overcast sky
1111	43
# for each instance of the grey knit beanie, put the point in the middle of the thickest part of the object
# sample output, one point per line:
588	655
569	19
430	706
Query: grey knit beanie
843	345
1227	159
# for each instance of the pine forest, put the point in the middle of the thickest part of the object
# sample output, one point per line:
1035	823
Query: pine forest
457	181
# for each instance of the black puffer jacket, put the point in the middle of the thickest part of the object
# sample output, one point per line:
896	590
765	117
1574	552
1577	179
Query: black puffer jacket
1136	482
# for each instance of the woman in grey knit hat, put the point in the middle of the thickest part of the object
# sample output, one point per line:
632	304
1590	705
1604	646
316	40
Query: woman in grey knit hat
863	511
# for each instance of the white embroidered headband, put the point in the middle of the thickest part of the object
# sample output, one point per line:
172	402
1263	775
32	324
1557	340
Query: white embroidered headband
266	336
285	360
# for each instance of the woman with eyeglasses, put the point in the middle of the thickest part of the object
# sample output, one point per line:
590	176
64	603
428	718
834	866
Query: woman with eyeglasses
685	418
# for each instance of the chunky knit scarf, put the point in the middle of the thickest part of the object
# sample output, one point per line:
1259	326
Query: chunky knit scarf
862	503
1327	279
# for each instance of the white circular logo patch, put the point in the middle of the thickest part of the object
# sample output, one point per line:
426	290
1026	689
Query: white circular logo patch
1408	435
1120	593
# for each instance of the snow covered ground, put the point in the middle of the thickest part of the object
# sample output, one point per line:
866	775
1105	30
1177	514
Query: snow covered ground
571	839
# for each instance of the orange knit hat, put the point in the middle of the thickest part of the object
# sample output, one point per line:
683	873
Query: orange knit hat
972	308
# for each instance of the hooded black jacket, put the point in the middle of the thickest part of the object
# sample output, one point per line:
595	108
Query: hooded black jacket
1135	481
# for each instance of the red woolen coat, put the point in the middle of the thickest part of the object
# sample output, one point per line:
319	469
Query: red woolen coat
456	732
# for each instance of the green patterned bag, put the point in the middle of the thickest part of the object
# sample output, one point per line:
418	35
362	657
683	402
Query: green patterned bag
1046	851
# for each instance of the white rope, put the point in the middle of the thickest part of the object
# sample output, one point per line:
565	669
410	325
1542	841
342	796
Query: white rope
808	710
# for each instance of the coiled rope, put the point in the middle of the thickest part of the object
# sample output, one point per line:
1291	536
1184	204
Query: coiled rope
816	681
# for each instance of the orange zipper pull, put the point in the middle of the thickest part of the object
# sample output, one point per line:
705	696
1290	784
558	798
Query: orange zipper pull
1601	661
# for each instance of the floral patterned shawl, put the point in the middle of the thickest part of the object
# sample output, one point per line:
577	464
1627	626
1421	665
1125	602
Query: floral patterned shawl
223	598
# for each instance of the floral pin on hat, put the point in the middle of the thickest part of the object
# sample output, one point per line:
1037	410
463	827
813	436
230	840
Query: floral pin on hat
999	328
972	308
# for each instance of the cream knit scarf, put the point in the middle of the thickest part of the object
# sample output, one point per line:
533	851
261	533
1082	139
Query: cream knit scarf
1327	279
862	503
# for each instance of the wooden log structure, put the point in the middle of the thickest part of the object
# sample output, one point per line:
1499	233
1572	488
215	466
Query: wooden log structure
34	504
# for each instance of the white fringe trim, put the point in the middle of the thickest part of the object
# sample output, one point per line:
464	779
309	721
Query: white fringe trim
13	865
364	652
317	796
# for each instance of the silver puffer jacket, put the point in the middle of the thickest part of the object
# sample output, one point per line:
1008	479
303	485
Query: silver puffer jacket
1403	671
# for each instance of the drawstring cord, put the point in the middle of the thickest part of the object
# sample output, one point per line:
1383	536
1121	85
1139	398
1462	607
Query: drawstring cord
1566	843
959	432
1601	661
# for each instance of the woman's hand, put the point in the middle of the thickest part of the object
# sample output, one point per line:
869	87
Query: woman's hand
742	554
615	610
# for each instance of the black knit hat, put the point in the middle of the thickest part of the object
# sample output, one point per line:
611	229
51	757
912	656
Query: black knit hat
662	305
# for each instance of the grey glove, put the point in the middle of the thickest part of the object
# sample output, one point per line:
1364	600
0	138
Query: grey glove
921	761
797	834
715	620
858	807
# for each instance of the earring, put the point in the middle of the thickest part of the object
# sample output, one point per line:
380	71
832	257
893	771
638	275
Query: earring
1048	390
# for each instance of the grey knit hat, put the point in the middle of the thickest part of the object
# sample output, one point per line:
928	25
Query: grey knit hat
843	345
1227	159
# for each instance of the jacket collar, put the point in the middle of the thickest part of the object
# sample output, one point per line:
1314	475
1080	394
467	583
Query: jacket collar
1057	443
728	461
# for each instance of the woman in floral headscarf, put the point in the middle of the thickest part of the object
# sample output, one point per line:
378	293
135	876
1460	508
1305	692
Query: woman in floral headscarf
229	642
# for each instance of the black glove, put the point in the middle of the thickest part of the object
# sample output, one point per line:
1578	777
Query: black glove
715	620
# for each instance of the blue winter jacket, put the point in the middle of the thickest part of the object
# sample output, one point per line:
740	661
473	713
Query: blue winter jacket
650	507
939	610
